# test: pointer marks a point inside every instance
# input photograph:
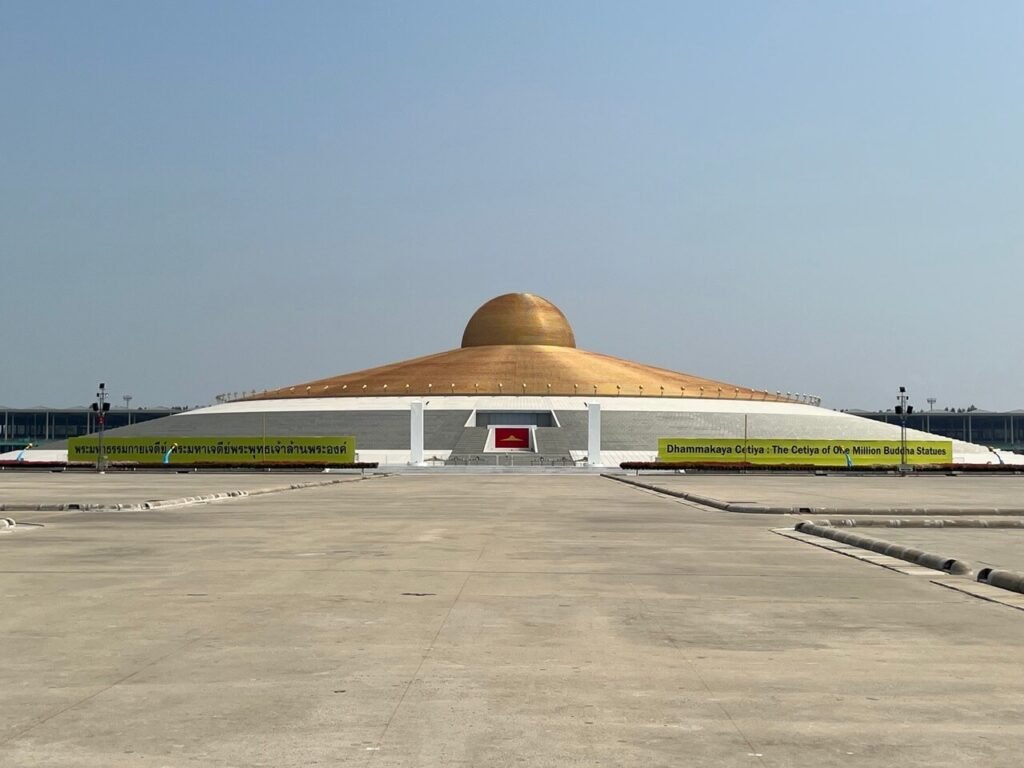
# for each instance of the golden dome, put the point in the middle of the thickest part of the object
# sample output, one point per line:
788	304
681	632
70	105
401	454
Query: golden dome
518	318
518	344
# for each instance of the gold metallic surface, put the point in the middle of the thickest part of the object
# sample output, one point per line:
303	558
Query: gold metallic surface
518	369
500	355
518	318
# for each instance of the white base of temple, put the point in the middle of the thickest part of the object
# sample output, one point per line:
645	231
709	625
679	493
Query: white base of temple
725	418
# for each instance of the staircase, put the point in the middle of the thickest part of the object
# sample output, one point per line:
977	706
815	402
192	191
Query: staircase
470	445
552	443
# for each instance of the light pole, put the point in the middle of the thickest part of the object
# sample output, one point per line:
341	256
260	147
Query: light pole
128	406
101	406
903	410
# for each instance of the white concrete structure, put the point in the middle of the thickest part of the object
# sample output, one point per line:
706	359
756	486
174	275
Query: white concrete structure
594	435
627	428
416	432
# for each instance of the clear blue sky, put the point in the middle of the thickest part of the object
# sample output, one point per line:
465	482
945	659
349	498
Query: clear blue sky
201	197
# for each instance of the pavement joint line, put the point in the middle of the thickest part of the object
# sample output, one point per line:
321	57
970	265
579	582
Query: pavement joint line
695	572
754	751
372	753
678	499
963	578
183	501
706	501
983	592
907	554
847	550
764	509
927	522
67	708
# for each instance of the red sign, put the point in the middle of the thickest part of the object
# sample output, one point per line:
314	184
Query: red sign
512	437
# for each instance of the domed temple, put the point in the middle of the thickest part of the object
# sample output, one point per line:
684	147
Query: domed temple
516	344
518	384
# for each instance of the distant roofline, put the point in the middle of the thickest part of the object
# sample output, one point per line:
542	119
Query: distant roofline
939	412
81	408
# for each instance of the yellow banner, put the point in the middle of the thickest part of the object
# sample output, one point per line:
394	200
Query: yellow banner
220	450
826	453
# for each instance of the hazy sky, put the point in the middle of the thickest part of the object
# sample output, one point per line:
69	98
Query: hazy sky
200	197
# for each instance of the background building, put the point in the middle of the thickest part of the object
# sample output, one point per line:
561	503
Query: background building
21	426
999	429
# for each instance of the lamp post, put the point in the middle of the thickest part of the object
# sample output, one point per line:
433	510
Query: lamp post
128	406
101	406
903	410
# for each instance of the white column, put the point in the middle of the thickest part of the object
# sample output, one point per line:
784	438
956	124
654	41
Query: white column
594	434
416	433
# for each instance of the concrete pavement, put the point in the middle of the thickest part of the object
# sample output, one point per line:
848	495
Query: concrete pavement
995	548
974	493
485	621
20	490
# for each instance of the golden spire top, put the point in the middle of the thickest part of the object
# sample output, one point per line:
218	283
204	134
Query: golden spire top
518	318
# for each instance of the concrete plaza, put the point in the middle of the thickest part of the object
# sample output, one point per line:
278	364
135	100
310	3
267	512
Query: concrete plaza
993	547
840	491
23	490
488	620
